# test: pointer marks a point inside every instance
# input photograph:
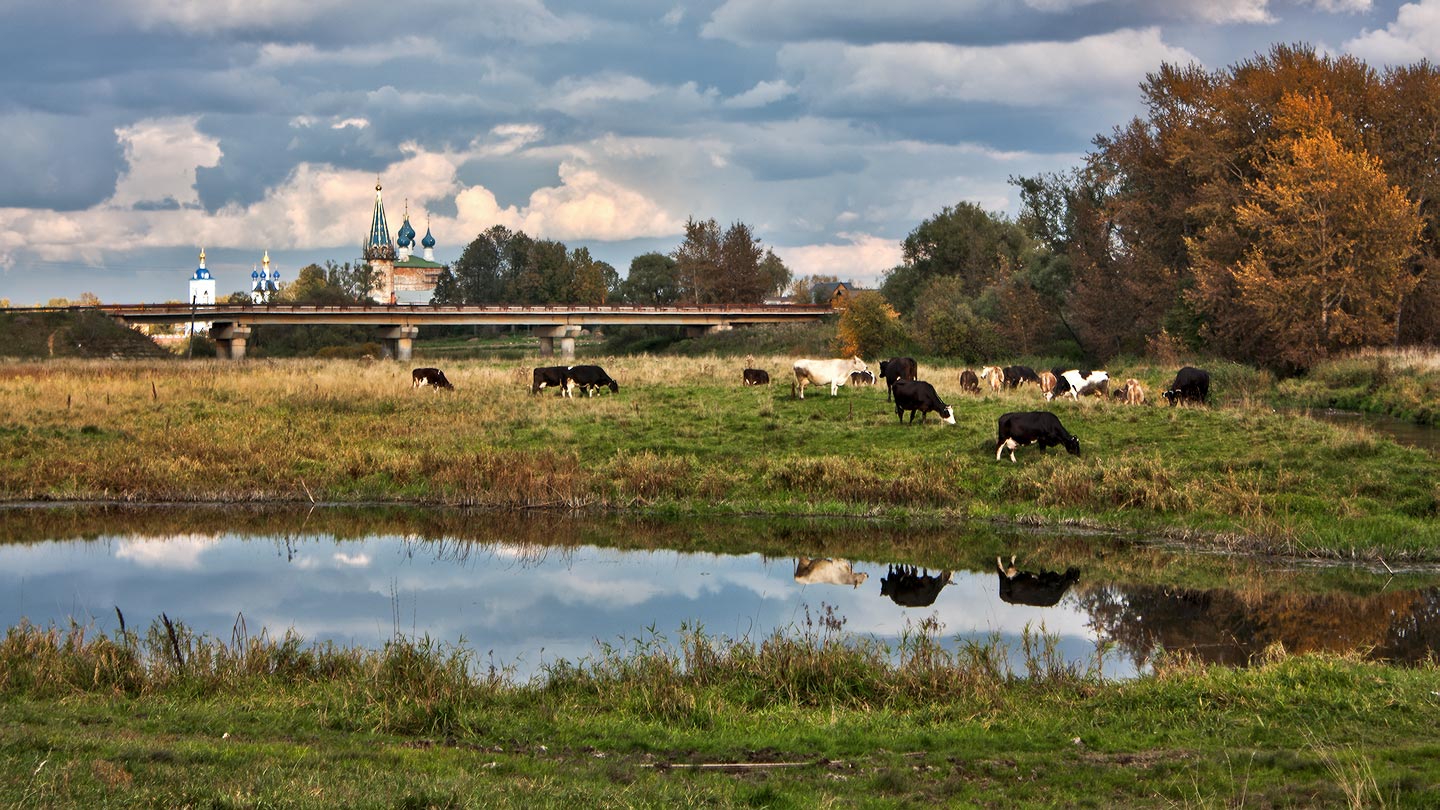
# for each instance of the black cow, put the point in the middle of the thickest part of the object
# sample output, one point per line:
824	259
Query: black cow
862	378
907	587
1015	375
1018	429
969	382
1036	590
590	379
755	376
550	375
918	395
430	376
1191	385
896	369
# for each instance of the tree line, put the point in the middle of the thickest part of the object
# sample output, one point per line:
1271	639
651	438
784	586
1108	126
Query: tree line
1276	211
711	266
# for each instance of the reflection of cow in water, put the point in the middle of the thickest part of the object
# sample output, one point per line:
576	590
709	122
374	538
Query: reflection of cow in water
1038	590
827	572
907	588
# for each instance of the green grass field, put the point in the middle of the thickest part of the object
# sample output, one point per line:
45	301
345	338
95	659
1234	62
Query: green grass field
684	437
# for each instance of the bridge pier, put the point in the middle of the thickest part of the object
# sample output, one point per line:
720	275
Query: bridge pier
397	342
230	340
697	331
547	335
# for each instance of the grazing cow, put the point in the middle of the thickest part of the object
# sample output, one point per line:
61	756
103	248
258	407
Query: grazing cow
896	369
1041	427
969	382
918	395
827	572
550	375
590	379
1075	383
1047	382
430	376
862	378
833	373
1191	385
755	376
993	375
1036	590
1014	376
908	587
1134	392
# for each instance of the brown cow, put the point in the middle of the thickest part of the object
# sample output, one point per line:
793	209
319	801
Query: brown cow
969	383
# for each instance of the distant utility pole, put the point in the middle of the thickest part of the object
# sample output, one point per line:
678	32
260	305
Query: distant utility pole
190	344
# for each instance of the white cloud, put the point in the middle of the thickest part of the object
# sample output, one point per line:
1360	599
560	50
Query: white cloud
761	94
1342	6
163	154
1032	74
863	259
1414	35
225	15
280	55
673	17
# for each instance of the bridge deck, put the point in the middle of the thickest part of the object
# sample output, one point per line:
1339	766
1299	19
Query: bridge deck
431	315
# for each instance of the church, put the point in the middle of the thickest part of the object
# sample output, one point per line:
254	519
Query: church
402	277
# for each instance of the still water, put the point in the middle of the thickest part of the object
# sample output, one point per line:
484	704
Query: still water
522	605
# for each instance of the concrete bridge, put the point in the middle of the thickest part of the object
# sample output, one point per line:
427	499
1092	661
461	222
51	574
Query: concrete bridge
397	325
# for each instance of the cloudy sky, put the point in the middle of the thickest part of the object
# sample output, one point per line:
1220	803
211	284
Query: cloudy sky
138	131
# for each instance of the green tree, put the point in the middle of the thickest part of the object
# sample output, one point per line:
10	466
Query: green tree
943	323
964	241
774	273
652	280
697	262
802	289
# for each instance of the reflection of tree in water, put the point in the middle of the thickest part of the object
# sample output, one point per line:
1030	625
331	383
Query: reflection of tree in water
1228	627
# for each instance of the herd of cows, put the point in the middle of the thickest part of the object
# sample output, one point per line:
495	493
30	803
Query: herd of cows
909	586
910	394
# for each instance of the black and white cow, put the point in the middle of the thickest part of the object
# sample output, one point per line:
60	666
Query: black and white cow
1015	376
1036	590
862	378
549	376
896	369
1030	427
590	379
918	395
430	376
755	376
1191	385
1077	383
908	587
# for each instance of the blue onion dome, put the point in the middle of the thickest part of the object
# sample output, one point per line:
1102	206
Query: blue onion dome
254	274
406	236
201	274
428	241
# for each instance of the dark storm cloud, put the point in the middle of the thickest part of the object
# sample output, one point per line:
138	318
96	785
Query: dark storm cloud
59	162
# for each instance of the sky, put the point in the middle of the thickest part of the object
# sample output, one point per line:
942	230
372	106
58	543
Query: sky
139	131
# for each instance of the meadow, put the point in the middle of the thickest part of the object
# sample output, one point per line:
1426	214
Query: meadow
683	437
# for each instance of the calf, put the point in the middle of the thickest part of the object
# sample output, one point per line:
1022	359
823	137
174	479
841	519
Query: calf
1134	392
833	373
550	375
918	395
430	376
993	375
590	379
862	378
969	382
1014	376
755	376
1031	427
1191	385
896	369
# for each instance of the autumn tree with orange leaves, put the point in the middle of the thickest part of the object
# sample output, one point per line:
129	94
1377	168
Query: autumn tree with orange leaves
1325	237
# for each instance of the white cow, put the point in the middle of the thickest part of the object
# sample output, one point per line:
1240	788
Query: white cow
827	572
833	373
1075	383
992	375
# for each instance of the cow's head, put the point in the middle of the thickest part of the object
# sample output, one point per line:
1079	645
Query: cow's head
857	364
614	387
949	417
1072	446
1169	396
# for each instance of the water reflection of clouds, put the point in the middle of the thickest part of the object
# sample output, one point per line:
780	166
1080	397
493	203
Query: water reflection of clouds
519	601
180	551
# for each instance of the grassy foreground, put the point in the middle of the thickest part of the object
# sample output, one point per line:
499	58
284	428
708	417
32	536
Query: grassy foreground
815	719
683	437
